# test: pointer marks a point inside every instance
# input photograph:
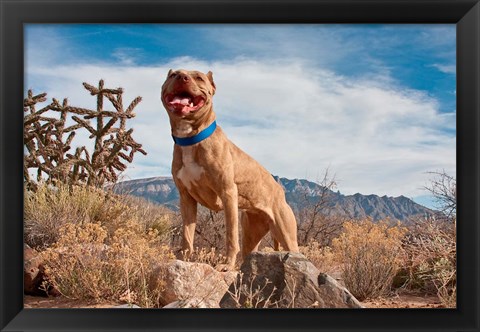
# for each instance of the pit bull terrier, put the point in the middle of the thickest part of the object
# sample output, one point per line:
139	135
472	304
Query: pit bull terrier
209	169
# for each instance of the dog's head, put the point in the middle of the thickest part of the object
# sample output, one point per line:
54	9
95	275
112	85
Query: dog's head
187	93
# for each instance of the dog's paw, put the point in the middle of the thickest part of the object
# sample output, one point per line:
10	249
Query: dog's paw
225	267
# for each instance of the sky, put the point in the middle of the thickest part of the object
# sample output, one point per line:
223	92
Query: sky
373	104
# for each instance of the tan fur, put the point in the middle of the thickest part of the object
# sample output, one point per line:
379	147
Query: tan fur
220	176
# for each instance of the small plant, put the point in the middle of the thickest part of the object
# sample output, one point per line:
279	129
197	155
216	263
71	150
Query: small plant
370	254
258	292
252	293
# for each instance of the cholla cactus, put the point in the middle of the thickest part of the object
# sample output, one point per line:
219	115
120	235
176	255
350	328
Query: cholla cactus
48	140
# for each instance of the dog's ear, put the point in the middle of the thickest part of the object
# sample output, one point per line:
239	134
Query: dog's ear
210	78
169	73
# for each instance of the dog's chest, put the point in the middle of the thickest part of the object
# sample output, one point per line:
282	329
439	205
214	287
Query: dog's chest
191	172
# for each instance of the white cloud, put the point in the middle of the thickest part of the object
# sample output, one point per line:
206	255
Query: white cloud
447	69
294	119
126	55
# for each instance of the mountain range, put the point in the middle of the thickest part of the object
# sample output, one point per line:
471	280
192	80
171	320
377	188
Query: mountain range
300	193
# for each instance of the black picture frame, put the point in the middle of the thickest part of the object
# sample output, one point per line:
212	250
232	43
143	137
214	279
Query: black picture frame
464	13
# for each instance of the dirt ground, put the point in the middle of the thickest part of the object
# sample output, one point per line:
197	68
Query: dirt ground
61	302
405	301
396	301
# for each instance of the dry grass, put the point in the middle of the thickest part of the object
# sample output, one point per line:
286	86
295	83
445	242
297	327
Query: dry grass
48	209
370	254
87	263
376	258
97	245
103	246
206	256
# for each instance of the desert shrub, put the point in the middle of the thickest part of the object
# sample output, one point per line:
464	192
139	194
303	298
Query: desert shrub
49	208
429	260
322	257
370	256
88	263
96	244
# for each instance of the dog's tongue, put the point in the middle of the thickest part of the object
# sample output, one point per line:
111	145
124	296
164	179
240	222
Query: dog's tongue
181	105
181	101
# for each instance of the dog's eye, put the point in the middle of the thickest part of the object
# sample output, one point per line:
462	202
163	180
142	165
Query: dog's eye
172	75
198	78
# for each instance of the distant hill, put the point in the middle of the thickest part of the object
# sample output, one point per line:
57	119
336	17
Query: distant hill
299	193
161	190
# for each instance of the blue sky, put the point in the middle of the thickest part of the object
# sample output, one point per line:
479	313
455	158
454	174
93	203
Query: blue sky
373	103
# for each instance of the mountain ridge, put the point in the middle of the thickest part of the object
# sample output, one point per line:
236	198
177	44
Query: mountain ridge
299	194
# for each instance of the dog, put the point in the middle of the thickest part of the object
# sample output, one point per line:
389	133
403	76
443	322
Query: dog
209	169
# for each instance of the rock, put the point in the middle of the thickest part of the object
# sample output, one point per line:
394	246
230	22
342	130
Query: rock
190	284
34	274
285	280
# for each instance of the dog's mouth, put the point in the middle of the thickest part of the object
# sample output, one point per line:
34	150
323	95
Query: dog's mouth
183	103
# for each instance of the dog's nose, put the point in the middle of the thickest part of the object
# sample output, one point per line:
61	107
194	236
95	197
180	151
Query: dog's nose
184	77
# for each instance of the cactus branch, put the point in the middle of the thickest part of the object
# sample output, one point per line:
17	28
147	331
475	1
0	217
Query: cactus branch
47	139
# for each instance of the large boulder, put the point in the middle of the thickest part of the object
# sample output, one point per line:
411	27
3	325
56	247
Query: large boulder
190	285
285	280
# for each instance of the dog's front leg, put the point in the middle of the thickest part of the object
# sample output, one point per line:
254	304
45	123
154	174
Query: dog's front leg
188	209
230	203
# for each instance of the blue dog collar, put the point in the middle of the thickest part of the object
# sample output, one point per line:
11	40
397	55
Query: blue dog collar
204	134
